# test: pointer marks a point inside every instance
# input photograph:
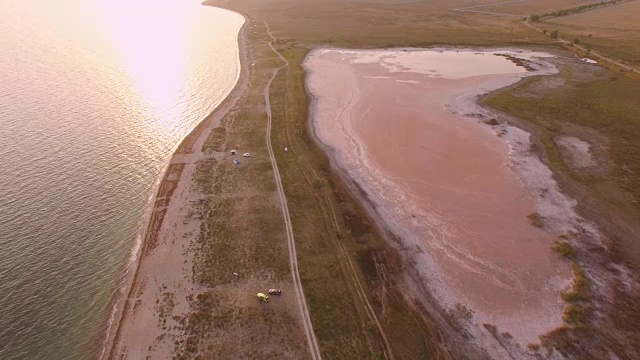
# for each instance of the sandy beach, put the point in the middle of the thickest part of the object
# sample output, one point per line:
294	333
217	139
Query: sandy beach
463	197
214	239
163	280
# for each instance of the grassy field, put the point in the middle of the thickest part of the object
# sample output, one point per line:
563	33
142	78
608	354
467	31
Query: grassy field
342	260
346	270
527	8
613	30
609	106
240	247
358	24
350	274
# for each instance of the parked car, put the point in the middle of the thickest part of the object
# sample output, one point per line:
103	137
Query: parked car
275	292
246	155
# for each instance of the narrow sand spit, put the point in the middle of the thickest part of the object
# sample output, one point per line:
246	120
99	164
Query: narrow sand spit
462	196
163	280
193	293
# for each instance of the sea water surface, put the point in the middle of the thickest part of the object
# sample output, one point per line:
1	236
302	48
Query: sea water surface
94	95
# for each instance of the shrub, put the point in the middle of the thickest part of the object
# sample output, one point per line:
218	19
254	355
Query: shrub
491	328
564	249
535	219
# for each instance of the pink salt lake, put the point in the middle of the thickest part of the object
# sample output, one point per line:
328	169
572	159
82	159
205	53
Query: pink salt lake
442	182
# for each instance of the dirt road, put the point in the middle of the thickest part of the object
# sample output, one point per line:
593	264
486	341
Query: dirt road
306	319
592	54
474	9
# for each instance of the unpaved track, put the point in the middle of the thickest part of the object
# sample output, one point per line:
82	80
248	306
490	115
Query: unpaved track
306	319
473	9
592	54
361	294
311	337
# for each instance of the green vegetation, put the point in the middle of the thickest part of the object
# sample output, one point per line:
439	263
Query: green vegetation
622	48
363	25
535	219
607	106
578	308
574	315
564	249
216	140
581	289
238	233
491	328
573	10
533	346
336	243
611	30
343	261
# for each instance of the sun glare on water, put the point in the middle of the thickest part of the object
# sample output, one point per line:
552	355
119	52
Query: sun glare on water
94	95
166	62
153	40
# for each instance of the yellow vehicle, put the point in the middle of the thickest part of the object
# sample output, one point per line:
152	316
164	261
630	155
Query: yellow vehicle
263	297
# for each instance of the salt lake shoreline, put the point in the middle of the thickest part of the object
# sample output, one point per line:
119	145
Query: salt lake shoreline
437	314
416	286
123	304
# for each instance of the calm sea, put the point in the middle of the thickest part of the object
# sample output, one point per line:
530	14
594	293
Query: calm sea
94	95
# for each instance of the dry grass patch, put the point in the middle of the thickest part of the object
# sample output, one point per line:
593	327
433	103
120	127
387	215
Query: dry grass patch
360	24
338	250
330	228
527	8
564	249
535	219
240	244
216	140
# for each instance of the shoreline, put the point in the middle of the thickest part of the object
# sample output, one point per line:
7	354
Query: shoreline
452	340
122	306
468	106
